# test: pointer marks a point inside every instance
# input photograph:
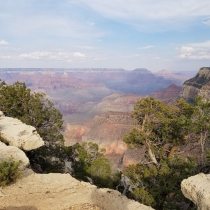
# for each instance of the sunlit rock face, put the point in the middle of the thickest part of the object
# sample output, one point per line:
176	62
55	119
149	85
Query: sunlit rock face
197	189
61	192
198	85
14	136
8	152
19	134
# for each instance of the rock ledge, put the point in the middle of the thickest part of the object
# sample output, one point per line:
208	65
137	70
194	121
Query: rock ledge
59	192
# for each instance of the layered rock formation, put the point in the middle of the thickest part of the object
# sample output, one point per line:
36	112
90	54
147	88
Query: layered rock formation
76	92
198	85
103	129
197	189
106	129
117	103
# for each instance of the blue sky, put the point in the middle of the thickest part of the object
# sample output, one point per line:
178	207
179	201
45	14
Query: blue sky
152	34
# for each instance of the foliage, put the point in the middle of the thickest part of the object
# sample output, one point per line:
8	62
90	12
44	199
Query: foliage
157	125
88	161
160	187
9	172
33	109
36	110
162	129
202	121
198	114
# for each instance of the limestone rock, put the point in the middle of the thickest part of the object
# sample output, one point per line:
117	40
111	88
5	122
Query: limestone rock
1	114
198	85
197	189
6	152
59	192
19	134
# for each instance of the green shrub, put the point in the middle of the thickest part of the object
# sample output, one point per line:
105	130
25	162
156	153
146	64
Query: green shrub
9	171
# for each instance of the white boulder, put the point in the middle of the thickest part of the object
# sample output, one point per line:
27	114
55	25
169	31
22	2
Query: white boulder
19	134
197	189
8	152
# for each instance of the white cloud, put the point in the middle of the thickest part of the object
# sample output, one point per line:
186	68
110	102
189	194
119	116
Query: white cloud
201	44
79	55
195	51
45	55
56	56
146	47
157	58
2	42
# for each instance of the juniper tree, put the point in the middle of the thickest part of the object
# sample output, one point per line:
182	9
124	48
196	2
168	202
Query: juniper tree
202	122
161	129
35	109
155	126
89	161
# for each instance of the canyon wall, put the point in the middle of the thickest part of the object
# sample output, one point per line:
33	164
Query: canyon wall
108	128
198	85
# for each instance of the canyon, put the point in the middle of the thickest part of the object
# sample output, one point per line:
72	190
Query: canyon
77	92
109	127
96	103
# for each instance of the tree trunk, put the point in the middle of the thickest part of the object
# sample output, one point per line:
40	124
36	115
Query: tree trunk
173	150
152	156
202	142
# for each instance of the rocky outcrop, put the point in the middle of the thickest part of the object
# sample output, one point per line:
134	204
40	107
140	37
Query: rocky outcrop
60	192
19	134
8	152
197	189
198	85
